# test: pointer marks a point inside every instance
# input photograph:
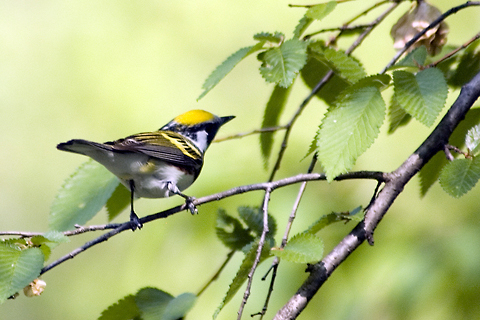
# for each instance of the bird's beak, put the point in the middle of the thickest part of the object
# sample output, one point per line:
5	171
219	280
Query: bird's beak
224	120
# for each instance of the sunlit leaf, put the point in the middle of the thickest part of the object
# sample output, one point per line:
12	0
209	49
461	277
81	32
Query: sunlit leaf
472	139
350	128
276	37
397	116
302	248
422	95
124	309
282	64
302	25
320	11
459	176
18	268
82	196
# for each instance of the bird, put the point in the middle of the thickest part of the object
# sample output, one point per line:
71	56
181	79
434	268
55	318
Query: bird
156	164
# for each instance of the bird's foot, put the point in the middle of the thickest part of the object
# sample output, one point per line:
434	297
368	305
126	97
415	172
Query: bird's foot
135	221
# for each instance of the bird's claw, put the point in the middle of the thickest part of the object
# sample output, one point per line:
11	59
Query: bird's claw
135	221
190	205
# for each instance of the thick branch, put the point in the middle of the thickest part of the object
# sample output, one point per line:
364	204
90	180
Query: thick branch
320	272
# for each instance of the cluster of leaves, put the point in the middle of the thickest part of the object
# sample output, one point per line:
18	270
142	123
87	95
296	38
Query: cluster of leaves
355	100
21	261
243	235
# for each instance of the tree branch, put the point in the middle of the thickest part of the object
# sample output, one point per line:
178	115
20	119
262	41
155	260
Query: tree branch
435	142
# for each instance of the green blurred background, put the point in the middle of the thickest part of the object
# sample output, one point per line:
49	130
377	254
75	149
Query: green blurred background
101	70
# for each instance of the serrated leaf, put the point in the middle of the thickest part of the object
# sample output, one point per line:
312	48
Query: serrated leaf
397	116
320	11
459	176
253	217
124	309
231	232
18	268
350	128
302	25
431	171
422	95
118	201
226	66
271	117
314	71
82	196
276	37
302	248
345	66
152	303
242	274
179	306
413	59
472	140
281	64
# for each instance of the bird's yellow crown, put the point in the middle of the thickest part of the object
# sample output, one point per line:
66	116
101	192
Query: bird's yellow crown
193	117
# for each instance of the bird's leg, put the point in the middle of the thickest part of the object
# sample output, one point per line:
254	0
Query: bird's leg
135	222
188	200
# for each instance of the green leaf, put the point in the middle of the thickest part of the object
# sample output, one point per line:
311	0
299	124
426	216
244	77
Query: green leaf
459	176
48	241
253	217
118	201
302	248
273	111
397	116
345	66
350	128
275	38
82	196
302	25
231	232
152	303
18	268
281	64
413	59
472	139
431	171
242	274
320	11
124	309
422	95
468	66
178	307
223	69
333	217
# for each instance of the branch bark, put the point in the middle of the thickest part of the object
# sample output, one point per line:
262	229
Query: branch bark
321	271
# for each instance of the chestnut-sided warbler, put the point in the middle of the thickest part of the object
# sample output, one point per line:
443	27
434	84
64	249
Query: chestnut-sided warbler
156	164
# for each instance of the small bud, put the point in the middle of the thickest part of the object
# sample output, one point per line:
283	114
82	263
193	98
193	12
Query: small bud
35	288
415	21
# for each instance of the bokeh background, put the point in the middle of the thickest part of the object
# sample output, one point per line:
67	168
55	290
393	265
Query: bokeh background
101	70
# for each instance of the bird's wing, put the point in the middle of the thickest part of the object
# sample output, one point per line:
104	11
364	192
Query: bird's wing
164	145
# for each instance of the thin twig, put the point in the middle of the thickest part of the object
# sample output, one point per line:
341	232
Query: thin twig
430	26
291	218
261	244
453	52
374	175
256	131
